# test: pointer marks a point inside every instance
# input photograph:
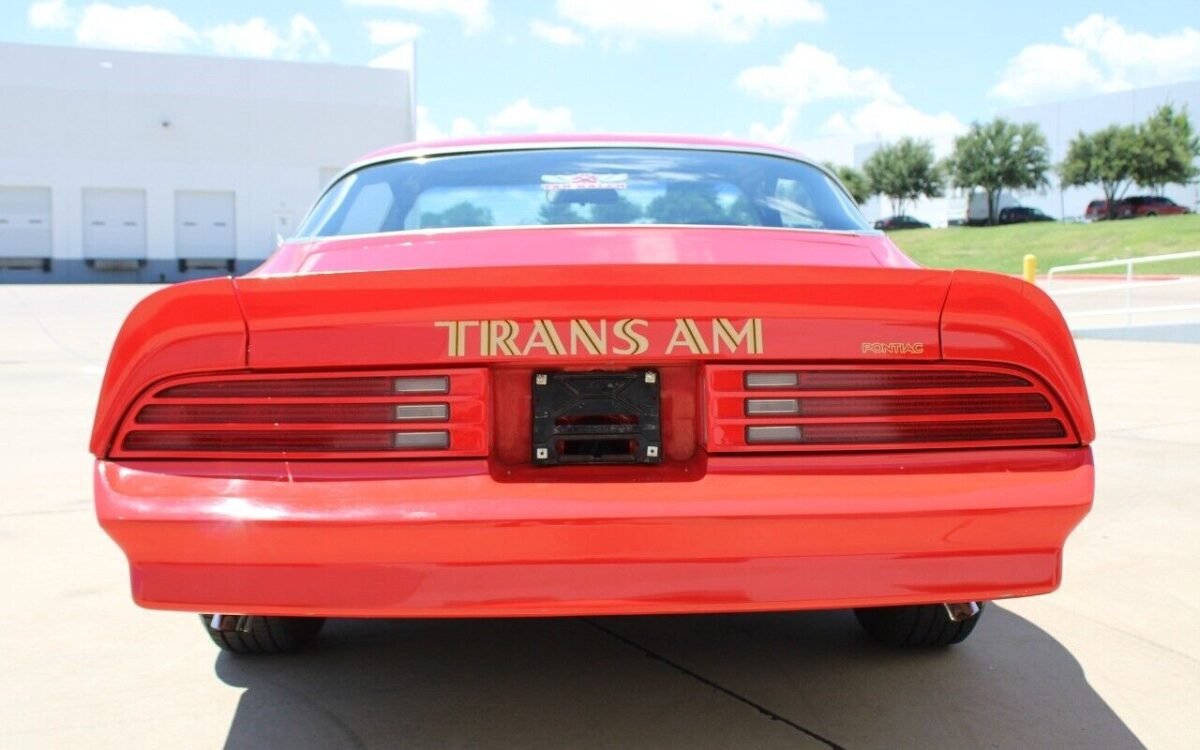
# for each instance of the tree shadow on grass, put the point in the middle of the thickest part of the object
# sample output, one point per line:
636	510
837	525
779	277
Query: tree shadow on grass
762	680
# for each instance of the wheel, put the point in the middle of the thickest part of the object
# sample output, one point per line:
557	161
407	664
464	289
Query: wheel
266	635
921	625
1152	213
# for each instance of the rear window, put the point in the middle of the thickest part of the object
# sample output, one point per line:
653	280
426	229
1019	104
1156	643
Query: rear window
580	186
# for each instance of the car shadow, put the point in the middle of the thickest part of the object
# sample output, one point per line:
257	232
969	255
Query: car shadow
759	680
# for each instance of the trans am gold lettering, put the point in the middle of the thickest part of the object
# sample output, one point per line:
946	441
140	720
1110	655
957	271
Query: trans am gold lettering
545	337
725	333
686	334
501	334
623	338
594	340
896	347
451	327
635	343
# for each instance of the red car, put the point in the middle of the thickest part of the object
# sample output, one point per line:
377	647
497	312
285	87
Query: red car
1135	206
1098	210
1149	205
591	376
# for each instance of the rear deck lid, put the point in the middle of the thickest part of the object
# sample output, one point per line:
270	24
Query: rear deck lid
594	295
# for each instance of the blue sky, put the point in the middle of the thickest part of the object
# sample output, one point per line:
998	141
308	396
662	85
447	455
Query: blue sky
813	74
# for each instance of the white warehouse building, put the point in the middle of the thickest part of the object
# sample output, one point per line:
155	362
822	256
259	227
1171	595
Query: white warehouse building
132	166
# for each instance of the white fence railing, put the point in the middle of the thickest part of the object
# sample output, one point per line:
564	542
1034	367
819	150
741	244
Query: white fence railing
1129	301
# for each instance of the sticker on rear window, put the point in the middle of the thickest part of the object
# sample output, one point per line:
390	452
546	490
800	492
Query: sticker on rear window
584	181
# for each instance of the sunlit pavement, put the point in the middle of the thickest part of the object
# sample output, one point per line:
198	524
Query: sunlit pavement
1111	660
1164	308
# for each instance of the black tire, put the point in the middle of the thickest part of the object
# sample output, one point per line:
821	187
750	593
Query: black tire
266	635
920	625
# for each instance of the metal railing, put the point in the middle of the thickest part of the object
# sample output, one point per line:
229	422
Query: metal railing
1116	299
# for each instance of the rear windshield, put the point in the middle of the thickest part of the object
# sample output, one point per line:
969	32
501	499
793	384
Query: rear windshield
573	186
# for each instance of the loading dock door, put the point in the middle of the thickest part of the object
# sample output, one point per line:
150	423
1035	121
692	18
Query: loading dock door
25	222
204	224
114	223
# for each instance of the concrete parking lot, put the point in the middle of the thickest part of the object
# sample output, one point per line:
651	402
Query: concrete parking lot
1111	660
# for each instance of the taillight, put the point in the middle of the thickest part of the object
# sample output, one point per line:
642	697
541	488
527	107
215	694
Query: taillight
790	408
304	415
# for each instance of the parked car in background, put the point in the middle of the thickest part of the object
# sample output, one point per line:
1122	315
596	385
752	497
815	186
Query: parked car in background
1149	205
1097	211
1135	206
903	221
1021	215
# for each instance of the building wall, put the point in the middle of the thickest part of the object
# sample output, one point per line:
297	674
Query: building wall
270	132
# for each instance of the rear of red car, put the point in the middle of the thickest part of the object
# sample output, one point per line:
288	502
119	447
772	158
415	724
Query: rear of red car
592	420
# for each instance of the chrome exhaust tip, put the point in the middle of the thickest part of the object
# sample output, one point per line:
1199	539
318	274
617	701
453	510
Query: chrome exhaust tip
959	611
231	623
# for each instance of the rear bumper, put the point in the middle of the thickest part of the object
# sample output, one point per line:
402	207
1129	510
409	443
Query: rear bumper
448	538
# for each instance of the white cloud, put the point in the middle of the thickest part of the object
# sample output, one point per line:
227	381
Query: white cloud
519	117
475	15
137	27
428	130
1048	70
882	120
258	38
392	32
522	116
781	132
400	58
49	14
808	73
1100	55
1137	57
726	20
564	36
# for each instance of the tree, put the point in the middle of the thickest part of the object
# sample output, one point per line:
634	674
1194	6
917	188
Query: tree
559	212
1166	150
999	155
465	214
855	181
904	171
687	203
1106	157
619	211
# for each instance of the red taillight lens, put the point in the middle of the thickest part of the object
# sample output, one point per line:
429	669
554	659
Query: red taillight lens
257	440
265	413
892	406
780	408
312	416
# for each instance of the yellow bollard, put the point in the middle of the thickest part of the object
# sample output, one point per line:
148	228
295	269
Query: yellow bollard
1030	268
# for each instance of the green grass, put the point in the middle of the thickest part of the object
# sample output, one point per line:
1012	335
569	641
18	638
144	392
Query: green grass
1002	248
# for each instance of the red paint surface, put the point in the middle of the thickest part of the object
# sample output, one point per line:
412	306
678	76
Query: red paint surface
446	538
718	526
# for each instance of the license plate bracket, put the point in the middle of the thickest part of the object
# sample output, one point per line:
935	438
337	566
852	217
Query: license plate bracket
597	417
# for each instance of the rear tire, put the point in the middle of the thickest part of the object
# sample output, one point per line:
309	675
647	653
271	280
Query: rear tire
266	635
916	626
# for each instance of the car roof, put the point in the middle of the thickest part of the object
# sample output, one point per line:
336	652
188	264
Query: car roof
570	140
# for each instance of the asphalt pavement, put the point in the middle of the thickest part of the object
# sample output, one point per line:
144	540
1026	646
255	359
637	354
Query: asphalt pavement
1111	660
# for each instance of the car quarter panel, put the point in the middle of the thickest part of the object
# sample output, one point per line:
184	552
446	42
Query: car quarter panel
188	328
990	317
